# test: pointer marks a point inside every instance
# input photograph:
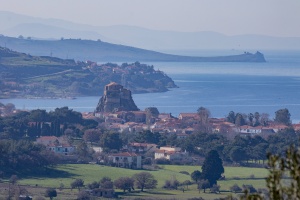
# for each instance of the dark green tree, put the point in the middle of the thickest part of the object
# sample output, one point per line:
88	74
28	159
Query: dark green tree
110	141
78	183
51	192
257	119
239	120
251	118
231	117
196	175
283	116
237	154
212	168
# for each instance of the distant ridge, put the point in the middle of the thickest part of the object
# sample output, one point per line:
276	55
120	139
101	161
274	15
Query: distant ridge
26	76
102	51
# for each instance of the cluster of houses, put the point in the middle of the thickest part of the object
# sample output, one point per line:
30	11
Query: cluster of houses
130	157
182	126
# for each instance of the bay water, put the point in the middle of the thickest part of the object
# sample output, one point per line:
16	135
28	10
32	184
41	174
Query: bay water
220	87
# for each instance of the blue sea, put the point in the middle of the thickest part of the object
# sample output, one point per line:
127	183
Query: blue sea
220	87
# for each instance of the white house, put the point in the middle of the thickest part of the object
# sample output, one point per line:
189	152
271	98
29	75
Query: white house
126	160
57	145
170	153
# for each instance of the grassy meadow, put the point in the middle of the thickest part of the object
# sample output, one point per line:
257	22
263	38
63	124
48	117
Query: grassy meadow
65	174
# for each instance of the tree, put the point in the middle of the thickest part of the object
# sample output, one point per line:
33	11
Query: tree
239	120
187	183
173	183
231	117
257	118
83	151
92	135
249	188
145	180
251	118
51	192
83	195
9	108
151	112
283	116
78	183
237	154
203	184
124	183
93	185
196	175
13	179
110	141
212	167
278	167
215	188
264	119
204	115
106	183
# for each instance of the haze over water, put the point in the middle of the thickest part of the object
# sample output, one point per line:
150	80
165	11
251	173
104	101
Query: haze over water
220	87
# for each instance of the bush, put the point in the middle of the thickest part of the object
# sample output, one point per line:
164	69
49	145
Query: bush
83	196
184	172
51	192
171	184
235	188
162	161
252	176
249	188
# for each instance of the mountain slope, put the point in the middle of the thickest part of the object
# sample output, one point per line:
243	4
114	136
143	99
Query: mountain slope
102	51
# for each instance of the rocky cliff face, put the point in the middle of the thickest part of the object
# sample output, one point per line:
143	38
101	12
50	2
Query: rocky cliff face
116	98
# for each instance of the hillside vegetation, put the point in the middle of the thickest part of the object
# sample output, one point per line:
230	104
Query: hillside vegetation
24	75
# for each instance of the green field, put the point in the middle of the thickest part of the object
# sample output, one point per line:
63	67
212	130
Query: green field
90	173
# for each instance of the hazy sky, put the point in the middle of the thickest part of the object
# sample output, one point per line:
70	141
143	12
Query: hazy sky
231	17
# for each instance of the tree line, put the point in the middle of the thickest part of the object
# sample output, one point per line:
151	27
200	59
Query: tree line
41	123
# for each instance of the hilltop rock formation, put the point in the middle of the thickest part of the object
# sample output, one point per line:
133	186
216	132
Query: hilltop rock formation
116	98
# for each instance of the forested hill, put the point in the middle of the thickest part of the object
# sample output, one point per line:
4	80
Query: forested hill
23	75
102	51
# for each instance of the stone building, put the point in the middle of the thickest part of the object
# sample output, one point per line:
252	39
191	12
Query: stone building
116	98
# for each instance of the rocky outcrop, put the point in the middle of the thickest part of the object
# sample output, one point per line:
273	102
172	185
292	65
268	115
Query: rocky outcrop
116	98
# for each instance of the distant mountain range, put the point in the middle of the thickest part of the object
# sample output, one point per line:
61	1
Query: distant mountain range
14	25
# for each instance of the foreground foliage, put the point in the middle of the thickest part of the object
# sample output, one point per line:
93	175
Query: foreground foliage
23	155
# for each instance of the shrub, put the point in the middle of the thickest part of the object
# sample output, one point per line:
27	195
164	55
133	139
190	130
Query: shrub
184	172
162	161
235	188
